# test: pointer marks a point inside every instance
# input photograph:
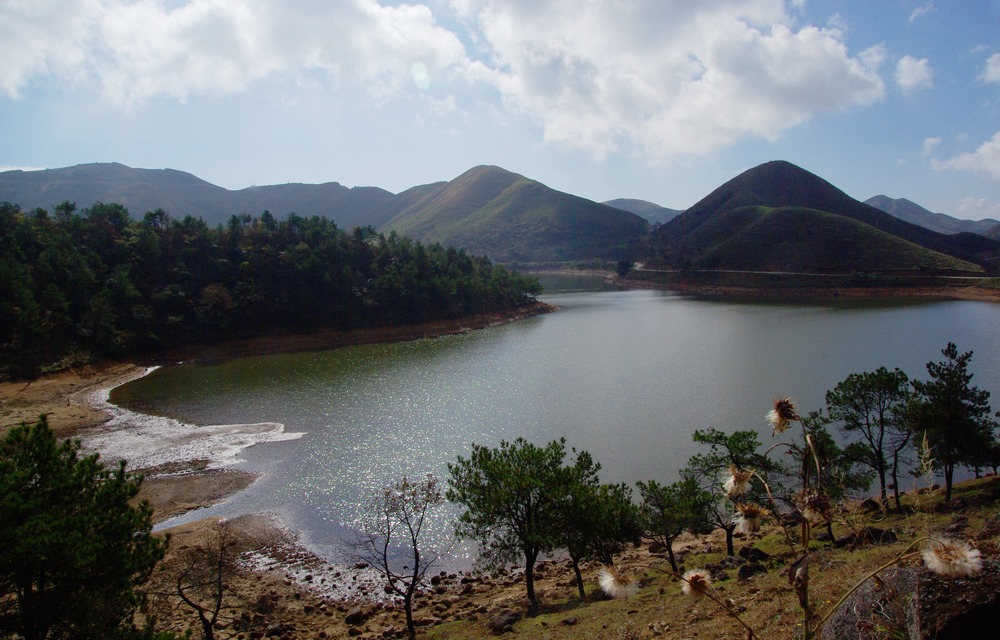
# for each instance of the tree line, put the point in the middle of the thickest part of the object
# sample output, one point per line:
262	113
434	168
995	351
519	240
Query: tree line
75	285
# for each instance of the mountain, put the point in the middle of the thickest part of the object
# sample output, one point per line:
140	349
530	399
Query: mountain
488	210
780	217
180	194
912	212
653	213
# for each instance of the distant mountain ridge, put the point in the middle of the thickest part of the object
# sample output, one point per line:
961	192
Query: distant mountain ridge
180	194
774	217
653	213
780	217
942	223
486	211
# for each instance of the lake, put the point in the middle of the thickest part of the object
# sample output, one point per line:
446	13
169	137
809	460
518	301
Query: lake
625	375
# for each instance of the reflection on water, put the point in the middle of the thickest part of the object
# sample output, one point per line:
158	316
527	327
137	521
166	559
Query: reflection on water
625	375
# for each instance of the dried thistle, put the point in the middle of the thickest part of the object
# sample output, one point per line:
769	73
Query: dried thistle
617	585
782	415
952	558
738	482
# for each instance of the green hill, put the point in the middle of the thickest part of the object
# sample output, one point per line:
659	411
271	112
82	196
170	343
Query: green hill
779	217
510	218
806	240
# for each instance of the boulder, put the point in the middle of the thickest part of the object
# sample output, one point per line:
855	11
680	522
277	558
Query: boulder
753	554
915	604
503	622
748	570
867	535
355	616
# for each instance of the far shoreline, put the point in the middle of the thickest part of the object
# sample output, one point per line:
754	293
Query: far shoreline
789	289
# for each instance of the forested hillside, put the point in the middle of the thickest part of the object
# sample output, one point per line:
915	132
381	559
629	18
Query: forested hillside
77	285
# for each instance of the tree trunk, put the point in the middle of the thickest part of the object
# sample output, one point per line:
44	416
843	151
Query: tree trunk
880	469
579	578
408	609
730	550
670	555
529	582
949	471
895	481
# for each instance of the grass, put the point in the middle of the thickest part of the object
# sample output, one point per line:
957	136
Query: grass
766	601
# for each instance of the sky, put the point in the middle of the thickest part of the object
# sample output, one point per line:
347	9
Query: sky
660	100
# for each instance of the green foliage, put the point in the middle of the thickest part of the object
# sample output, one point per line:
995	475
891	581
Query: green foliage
840	478
102	284
670	510
739	449
954	414
75	550
596	520
870	407
512	498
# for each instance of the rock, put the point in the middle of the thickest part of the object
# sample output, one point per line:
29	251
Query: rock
656	548
504	622
570	621
867	535
355	616
748	570
869	505
264	604
914	603
959	523
753	554
790	519
354	632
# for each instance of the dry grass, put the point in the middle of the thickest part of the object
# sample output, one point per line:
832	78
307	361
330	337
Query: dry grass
766	601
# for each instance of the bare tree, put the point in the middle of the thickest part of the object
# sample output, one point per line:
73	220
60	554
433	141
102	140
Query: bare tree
204	573
389	539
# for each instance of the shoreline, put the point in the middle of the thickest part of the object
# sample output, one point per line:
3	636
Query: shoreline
812	294
187	467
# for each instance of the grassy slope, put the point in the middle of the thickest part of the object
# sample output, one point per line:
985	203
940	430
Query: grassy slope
510	218
767	602
781	185
798	239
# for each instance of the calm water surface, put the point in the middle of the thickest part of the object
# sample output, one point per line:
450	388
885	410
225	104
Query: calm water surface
625	375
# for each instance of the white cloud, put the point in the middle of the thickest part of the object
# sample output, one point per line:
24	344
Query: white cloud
668	78
141	49
661	78
930	146
977	209
922	10
991	71
913	74
985	159
39	37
